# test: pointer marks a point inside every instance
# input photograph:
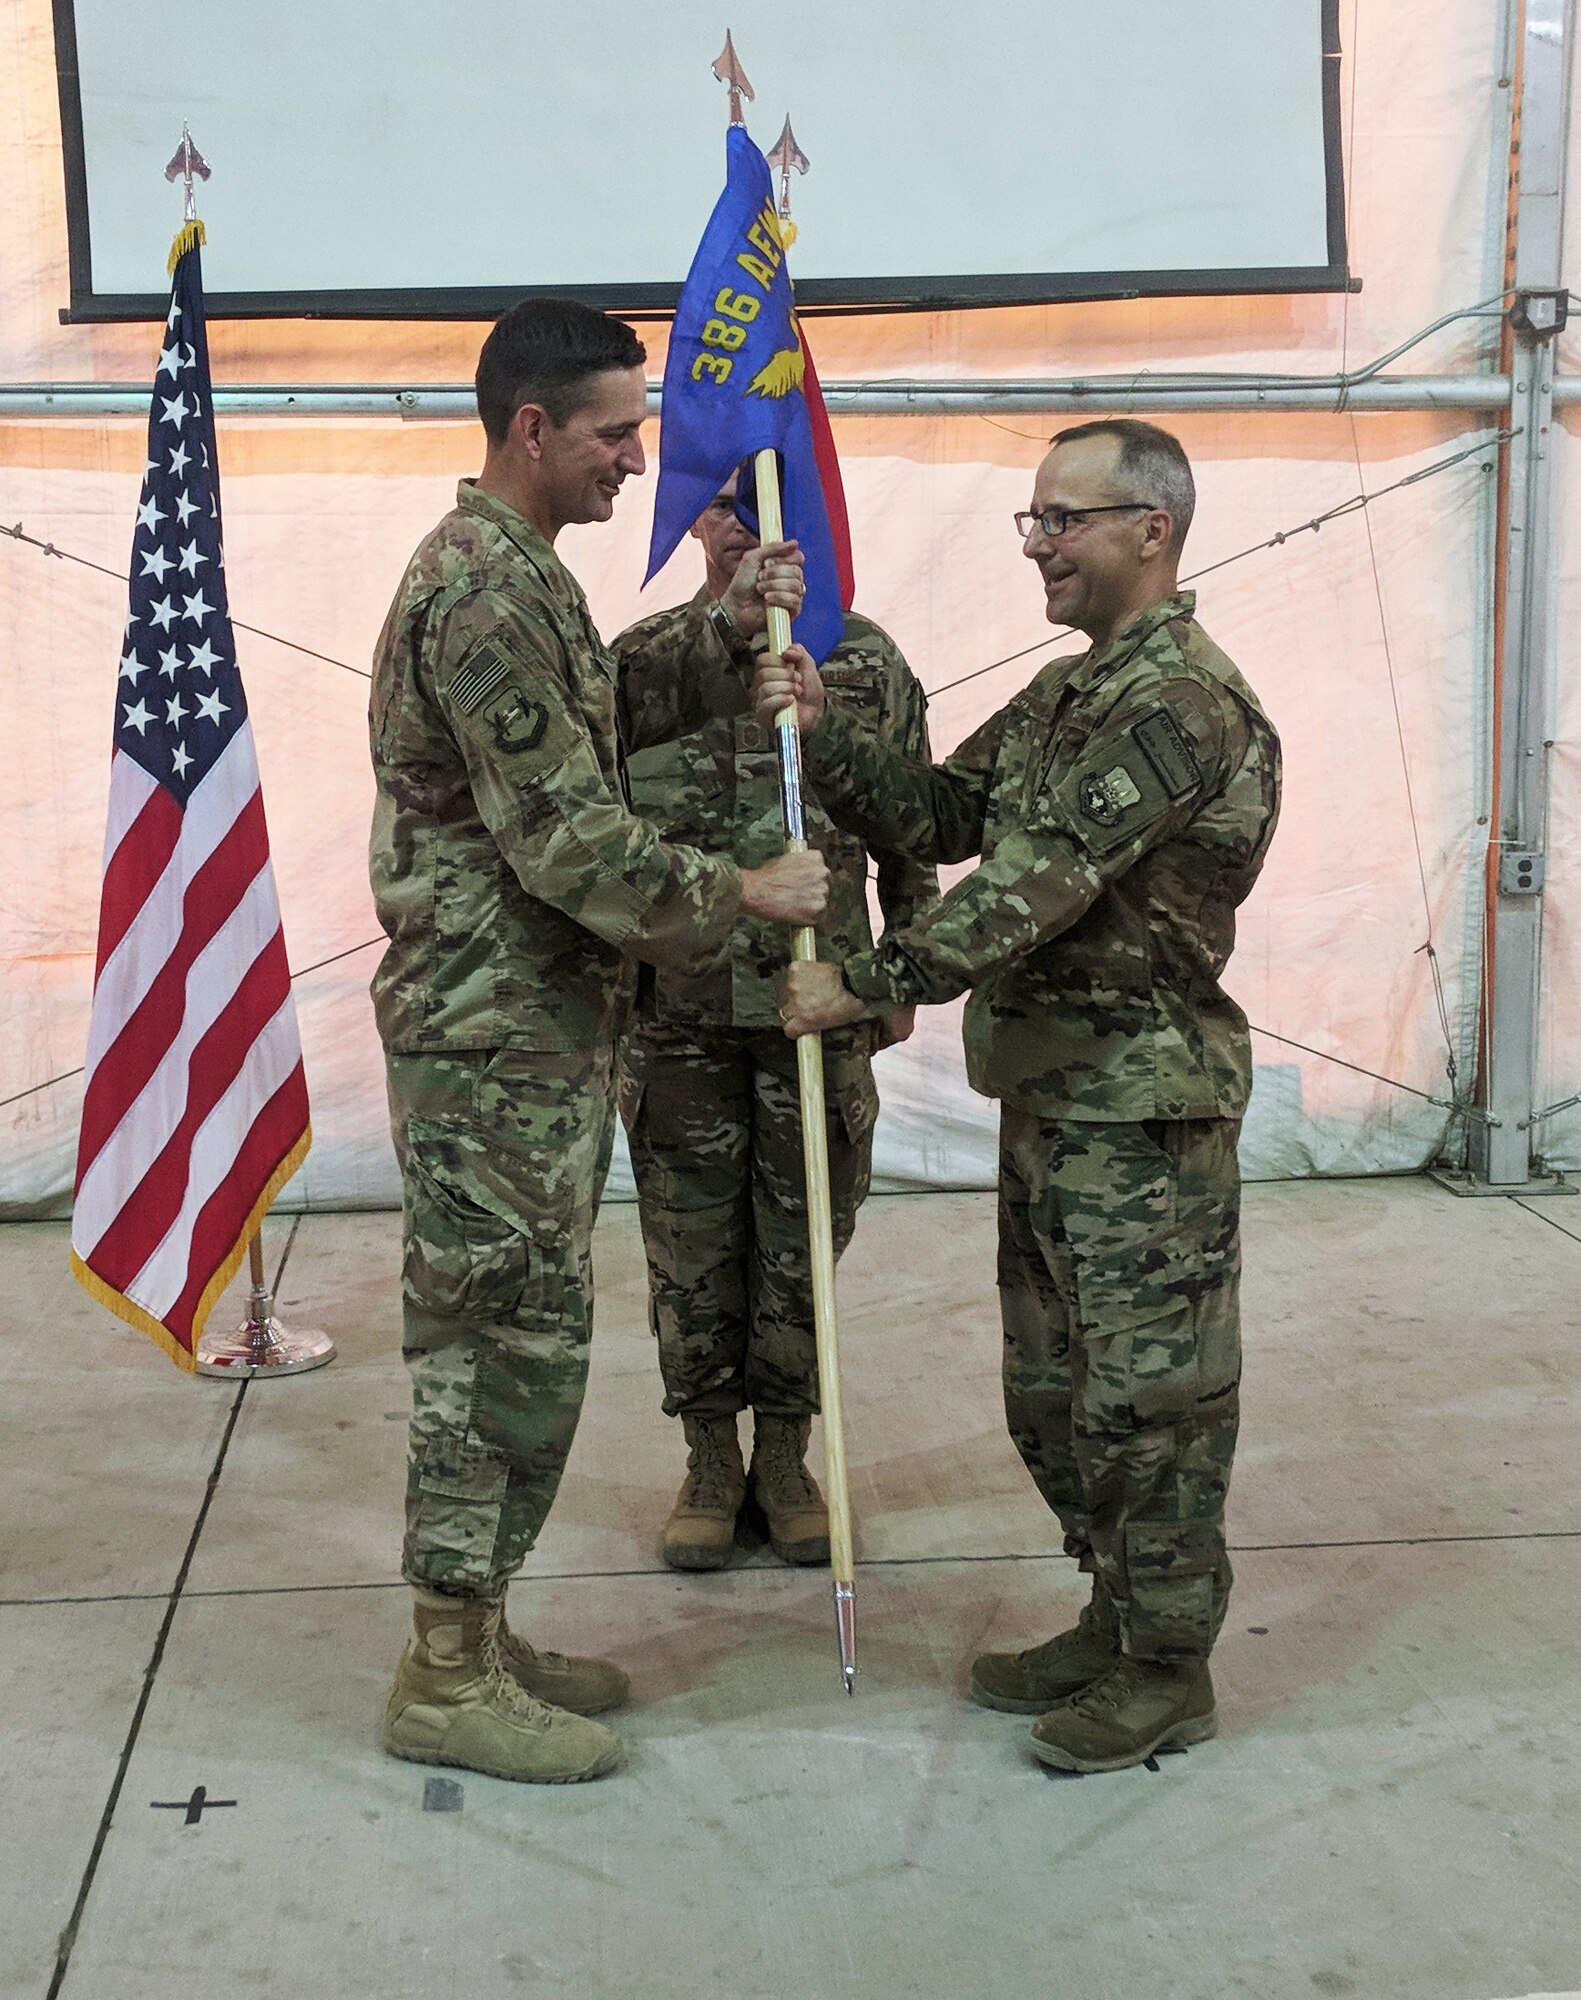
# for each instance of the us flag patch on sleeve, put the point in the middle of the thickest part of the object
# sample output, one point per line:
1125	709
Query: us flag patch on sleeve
481	674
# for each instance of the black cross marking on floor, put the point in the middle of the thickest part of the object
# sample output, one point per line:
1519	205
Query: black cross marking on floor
194	1808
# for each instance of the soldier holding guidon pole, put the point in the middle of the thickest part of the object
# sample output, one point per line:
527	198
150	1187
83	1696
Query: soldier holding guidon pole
1122	804
708	1085
518	892
738	386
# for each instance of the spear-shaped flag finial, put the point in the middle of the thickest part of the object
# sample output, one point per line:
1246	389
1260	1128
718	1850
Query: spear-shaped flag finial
786	157
727	67
186	160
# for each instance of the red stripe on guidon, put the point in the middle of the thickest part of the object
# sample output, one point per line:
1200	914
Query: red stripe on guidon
828	463
275	1130
154	1204
133	869
141	1043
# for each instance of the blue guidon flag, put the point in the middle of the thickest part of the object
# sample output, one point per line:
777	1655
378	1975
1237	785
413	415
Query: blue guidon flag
195	1106
739	379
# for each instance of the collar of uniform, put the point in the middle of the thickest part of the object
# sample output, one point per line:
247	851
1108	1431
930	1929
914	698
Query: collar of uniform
1094	666
471	499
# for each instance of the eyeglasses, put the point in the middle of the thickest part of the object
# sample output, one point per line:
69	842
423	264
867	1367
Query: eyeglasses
1055	520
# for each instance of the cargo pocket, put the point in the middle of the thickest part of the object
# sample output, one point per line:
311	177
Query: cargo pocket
856	1104
1140	1373
457	1496
1145	1260
1171	1567
466	1255
849	1088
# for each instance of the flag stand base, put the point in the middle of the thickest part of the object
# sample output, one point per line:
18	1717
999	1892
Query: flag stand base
262	1346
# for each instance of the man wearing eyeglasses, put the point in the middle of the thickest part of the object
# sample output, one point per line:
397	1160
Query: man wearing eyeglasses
1122	805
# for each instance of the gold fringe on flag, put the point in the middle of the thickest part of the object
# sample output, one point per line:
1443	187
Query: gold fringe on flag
188	237
136	1315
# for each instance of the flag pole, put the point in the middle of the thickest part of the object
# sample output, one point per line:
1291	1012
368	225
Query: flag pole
815	1135
768	270
260	1345
787	157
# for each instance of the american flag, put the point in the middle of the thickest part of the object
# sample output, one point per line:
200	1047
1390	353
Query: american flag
195	1111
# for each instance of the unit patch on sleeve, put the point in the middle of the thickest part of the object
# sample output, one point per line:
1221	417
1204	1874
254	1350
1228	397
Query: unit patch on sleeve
1168	748
481	674
1106	800
519	725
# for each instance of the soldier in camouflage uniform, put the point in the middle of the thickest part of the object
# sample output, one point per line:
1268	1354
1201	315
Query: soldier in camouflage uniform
517	891
1122	804
708	1084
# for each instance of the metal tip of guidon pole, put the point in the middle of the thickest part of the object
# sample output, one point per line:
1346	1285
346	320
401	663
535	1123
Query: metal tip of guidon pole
845	1620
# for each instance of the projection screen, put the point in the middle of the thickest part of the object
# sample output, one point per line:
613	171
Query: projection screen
443	158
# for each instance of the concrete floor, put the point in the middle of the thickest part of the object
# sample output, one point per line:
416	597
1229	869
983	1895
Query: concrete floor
1389	1811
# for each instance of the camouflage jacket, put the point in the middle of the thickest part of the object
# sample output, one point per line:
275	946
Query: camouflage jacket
717	787
509	874
1122	804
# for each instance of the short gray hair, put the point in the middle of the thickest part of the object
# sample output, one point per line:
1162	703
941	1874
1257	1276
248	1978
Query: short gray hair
1151	461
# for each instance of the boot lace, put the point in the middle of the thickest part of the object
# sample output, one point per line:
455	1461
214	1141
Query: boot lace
506	1692
712	1476
1122	1681
500	1641
781	1461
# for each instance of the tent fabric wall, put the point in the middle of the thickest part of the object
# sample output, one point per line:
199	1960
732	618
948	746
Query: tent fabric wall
1369	640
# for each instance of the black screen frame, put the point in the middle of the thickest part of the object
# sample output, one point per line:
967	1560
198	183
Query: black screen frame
820	296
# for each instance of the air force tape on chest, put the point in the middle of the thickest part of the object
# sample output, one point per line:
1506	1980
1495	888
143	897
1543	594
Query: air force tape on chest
484	681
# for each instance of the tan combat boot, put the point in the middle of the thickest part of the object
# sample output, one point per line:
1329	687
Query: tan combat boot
701	1530
1027	1683
454	1703
585	1687
1138	1707
786	1491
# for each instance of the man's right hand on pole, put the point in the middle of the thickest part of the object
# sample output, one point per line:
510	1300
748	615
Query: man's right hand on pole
770	574
781	680
794	889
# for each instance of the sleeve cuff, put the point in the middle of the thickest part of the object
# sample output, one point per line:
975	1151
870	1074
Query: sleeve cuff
879	979
820	750
730	639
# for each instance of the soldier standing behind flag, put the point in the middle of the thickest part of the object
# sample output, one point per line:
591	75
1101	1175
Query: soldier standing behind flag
708	1085
516	889
1122	804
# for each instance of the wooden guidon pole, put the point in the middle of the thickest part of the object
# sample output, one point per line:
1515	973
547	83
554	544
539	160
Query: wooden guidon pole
815	1135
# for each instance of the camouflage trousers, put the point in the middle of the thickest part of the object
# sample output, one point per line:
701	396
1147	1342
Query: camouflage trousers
1119	1271
714	1128
503	1155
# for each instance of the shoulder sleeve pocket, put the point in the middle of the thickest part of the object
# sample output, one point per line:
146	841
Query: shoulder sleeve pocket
1131	776
516	717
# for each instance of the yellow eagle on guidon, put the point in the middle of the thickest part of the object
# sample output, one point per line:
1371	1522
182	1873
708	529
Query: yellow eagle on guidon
785	370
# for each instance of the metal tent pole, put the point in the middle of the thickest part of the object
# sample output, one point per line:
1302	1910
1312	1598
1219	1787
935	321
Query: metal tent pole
1052	396
1501	1149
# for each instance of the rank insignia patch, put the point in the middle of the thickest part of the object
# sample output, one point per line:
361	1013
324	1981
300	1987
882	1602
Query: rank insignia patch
1108	799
